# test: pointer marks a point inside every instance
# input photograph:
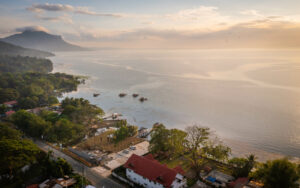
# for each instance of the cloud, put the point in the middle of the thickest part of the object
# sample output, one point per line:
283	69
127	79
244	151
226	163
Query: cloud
261	33
39	8
202	13
251	13
64	18
31	28
50	7
85	10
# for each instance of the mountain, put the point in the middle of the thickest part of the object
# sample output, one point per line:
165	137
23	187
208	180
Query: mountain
10	49
42	41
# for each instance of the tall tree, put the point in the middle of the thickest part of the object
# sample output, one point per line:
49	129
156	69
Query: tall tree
159	139
176	142
196	139
217	151
243	166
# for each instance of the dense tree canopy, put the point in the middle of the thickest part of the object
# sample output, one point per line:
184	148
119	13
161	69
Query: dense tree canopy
278	173
7	132
16	154
159	139
35	89
124	131
27	80
243	166
194	143
60	130
24	64
79	110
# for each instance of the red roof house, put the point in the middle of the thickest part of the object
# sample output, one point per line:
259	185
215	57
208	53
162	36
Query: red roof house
8	113
10	103
153	171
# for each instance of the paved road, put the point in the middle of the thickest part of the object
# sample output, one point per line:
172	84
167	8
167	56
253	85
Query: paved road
94	177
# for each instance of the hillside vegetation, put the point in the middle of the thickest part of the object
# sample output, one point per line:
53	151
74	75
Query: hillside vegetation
10	49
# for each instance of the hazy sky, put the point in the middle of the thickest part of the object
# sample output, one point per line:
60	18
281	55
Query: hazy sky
159	23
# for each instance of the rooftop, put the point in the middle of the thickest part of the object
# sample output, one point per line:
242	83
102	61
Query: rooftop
151	169
10	102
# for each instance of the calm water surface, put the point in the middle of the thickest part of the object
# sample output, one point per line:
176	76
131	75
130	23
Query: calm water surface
246	96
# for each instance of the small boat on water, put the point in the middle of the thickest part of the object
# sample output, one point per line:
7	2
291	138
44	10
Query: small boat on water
96	94
135	95
142	99
122	94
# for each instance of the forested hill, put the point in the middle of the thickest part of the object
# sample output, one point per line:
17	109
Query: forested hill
27	80
41	40
16	64
10	49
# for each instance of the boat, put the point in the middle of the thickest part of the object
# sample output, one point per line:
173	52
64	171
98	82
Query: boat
135	95
122	94
142	99
96	94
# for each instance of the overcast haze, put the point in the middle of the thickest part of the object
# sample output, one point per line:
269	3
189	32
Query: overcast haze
159	24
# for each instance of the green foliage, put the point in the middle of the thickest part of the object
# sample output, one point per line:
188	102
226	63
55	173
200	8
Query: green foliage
10	49
35	89
124	131
24	64
278	173
243	166
31	124
176	142
61	167
80	180
197	138
65	131
2	109
49	116
52	128
16	154
121	123
170	142
7	132
159	139
79	110
217	152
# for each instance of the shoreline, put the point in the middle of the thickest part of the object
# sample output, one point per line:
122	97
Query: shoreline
239	148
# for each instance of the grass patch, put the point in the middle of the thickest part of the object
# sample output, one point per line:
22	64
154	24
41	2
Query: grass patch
179	161
186	165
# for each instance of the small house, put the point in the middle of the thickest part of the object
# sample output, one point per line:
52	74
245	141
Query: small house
9	113
11	104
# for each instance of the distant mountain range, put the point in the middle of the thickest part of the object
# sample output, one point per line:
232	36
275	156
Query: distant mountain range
10	49
42	41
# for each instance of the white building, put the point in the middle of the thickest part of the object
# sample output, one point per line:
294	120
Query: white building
149	173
